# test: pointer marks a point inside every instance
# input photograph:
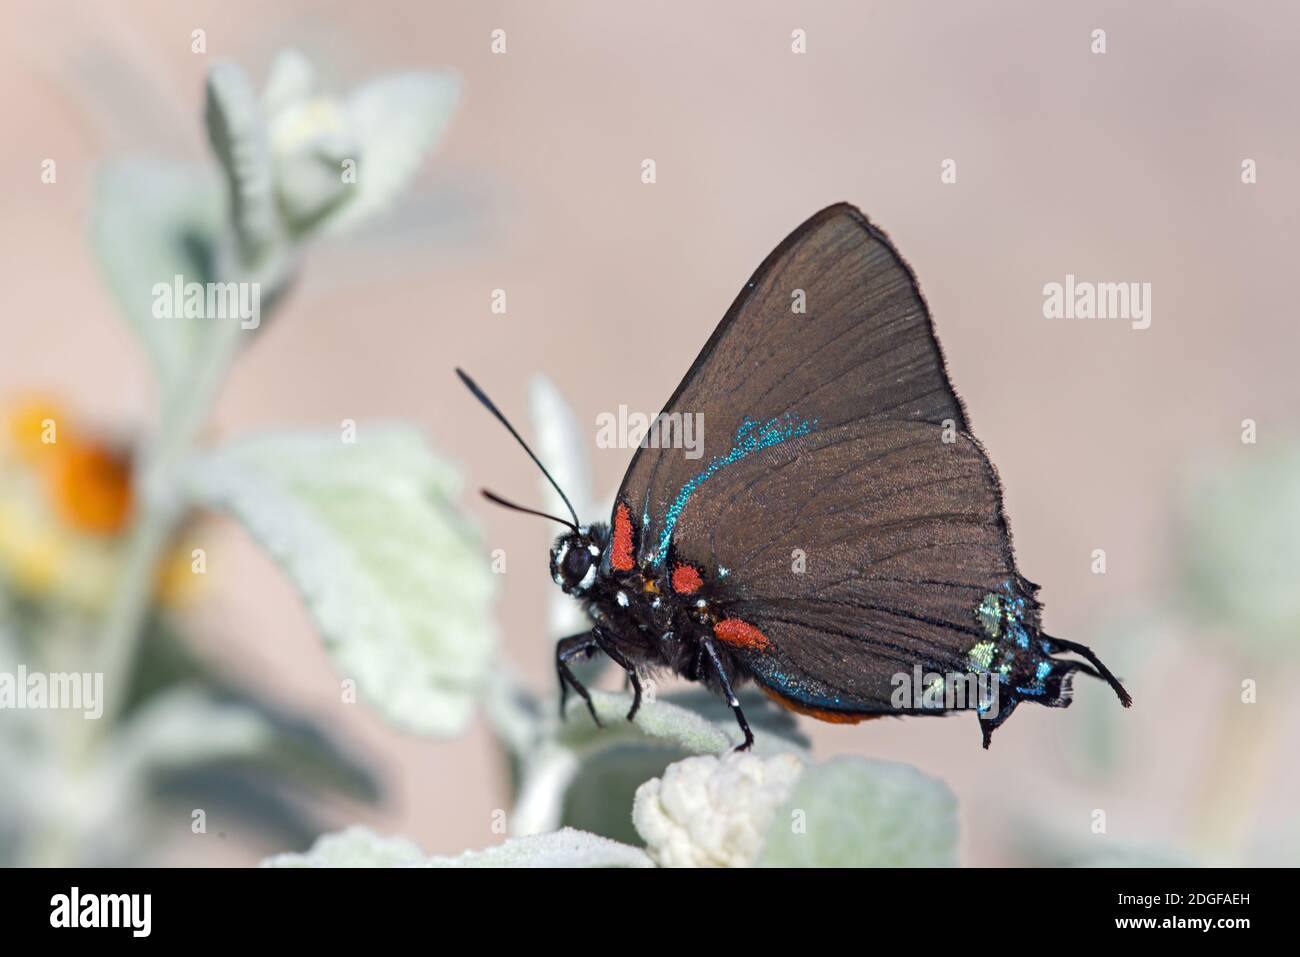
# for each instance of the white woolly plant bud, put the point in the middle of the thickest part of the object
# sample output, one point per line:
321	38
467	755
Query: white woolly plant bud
713	812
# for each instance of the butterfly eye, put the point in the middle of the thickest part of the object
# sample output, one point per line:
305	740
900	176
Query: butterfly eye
577	564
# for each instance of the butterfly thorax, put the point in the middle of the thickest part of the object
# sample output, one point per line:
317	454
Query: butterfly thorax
651	624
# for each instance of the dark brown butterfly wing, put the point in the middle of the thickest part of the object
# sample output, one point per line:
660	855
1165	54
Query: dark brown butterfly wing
863	348
858	553
835	432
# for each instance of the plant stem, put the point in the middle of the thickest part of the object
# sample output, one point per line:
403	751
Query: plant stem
160	509
545	778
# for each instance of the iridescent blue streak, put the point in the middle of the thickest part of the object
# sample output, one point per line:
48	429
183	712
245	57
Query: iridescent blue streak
792	689
1037	688
750	438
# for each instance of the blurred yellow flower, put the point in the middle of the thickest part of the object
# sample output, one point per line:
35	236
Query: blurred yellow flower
65	499
86	481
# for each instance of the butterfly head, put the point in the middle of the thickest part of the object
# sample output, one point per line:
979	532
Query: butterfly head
575	556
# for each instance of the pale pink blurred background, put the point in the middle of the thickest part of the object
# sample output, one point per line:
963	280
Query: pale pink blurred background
1121	167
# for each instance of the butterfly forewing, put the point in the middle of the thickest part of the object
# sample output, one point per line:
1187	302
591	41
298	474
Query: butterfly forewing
831	329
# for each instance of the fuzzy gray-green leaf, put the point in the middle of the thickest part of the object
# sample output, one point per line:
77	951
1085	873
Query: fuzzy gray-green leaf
390	574
154	221
361	847
395	121
852	812
563	848
238	134
354	847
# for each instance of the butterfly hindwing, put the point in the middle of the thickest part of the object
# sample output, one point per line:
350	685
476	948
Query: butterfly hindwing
857	552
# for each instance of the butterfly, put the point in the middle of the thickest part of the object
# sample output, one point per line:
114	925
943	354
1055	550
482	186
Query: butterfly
839	540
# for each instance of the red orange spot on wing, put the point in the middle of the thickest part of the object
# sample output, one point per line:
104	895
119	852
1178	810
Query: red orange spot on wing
742	634
821	714
686	579
621	556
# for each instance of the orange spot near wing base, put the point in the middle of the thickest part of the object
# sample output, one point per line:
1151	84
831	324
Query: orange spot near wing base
821	714
686	579
621	551
741	634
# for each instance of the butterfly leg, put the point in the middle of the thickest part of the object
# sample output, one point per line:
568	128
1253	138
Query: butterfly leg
697	664
1102	671
584	644
617	657
707	645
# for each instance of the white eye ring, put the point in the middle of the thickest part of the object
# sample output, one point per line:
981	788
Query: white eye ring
558	575
588	578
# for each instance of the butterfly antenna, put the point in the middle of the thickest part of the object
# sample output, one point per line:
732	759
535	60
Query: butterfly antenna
491	407
498	500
